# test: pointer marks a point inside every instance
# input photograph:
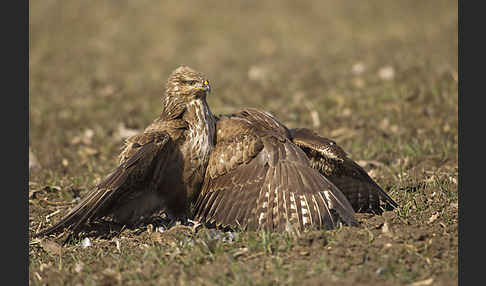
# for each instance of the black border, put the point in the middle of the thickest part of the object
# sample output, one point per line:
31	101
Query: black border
469	267
15	141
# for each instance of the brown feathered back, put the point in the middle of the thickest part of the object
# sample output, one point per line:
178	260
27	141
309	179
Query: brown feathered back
258	179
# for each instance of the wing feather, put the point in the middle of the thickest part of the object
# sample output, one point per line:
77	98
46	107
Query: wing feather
267	181
128	176
364	194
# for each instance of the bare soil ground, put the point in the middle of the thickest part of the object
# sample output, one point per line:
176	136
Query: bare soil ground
378	77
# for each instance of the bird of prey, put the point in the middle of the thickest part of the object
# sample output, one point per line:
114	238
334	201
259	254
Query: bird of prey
262	175
161	168
259	178
244	170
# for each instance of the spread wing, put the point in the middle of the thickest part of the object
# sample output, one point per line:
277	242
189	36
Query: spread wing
325	155
140	162
258	179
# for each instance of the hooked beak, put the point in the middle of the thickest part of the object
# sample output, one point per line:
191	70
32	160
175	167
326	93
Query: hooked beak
202	90
206	86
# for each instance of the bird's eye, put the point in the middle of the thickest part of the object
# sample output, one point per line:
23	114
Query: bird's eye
189	82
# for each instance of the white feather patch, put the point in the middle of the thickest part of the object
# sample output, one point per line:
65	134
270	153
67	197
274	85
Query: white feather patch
292	202
328	198
318	210
294	207
306	217
303	205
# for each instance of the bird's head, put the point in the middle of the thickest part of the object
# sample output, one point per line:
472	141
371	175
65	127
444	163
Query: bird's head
185	85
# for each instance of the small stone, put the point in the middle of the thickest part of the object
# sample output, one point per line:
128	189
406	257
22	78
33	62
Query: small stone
358	68
85	243
257	73
386	73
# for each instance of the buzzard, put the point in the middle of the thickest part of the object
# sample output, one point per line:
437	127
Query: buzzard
257	178
161	168
244	170
261	175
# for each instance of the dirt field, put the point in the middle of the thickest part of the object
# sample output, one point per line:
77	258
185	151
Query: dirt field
378	77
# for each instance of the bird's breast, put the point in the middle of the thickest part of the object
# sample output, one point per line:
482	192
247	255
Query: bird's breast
199	142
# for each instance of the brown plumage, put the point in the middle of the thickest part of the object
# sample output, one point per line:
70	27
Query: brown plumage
163	167
325	155
257	178
241	170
